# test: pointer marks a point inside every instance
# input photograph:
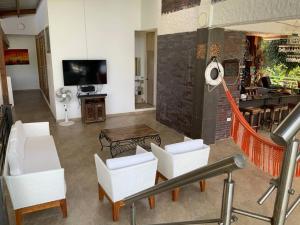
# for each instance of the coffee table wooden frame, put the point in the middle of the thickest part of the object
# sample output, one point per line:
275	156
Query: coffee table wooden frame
120	145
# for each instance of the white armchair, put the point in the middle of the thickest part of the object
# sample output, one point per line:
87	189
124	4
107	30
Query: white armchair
172	164
125	176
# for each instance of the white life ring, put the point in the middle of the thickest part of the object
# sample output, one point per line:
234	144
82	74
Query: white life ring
214	73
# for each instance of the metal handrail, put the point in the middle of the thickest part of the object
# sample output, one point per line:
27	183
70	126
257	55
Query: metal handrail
5	125
224	166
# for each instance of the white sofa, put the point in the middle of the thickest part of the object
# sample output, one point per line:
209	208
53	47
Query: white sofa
181	158
125	176
32	170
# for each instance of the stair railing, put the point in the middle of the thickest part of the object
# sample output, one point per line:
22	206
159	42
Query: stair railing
225	166
5	126
285	135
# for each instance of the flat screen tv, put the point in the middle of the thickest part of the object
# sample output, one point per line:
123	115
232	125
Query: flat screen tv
84	72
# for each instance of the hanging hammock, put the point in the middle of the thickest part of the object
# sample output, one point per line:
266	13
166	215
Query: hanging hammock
261	151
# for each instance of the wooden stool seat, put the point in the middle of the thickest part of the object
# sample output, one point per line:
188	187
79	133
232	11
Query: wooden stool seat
275	116
254	113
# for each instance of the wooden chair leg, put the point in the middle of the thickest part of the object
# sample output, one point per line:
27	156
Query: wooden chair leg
202	185
175	194
273	114
101	192
64	208
18	217
151	200
116	211
251	120
157	177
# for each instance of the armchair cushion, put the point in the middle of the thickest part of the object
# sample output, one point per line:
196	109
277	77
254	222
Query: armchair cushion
126	161
186	146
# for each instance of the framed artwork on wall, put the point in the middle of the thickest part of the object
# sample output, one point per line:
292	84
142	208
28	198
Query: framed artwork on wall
16	57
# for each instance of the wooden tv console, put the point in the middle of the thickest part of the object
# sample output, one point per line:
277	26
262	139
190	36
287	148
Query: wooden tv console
92	107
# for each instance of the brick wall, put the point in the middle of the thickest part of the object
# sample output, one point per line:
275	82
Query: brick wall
176	72
177	68
234	48
176	5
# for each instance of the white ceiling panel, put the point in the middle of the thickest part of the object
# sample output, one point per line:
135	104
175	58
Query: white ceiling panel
7	5
28	4
24	4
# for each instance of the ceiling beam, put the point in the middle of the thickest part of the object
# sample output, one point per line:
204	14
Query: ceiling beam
8	13
18	7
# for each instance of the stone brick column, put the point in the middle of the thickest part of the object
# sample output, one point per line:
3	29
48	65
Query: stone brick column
210	42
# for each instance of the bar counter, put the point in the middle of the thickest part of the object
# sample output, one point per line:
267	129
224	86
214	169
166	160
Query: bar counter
269	99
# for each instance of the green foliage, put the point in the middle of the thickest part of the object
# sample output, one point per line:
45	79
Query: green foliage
280	75
295	73
273	57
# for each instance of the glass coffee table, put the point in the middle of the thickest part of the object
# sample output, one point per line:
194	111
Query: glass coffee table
125	139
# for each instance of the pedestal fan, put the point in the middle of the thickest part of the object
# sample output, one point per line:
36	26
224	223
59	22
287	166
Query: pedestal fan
65	96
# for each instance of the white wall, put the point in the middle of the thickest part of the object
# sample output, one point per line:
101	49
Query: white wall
24	77
150	14
186	20
41	16
41	22
96	29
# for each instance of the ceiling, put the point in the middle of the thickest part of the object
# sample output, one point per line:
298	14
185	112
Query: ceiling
18	7
284	27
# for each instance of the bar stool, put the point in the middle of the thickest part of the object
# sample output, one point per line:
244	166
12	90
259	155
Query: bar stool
274	117
284	112
255	115
291	106
251	91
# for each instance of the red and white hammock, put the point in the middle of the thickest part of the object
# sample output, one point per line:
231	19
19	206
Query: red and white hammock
261	151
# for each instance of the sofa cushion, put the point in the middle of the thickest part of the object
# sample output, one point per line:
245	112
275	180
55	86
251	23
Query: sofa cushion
15	159
186	146
40	154
127	161
18	133
20	130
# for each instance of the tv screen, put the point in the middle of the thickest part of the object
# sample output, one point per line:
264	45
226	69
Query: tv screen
84	72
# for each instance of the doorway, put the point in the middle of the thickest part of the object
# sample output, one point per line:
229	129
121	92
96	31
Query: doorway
145	69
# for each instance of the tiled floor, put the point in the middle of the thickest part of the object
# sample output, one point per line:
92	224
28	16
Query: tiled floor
143	106
76	146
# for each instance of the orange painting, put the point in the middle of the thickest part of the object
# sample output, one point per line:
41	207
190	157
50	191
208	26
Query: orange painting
16	57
